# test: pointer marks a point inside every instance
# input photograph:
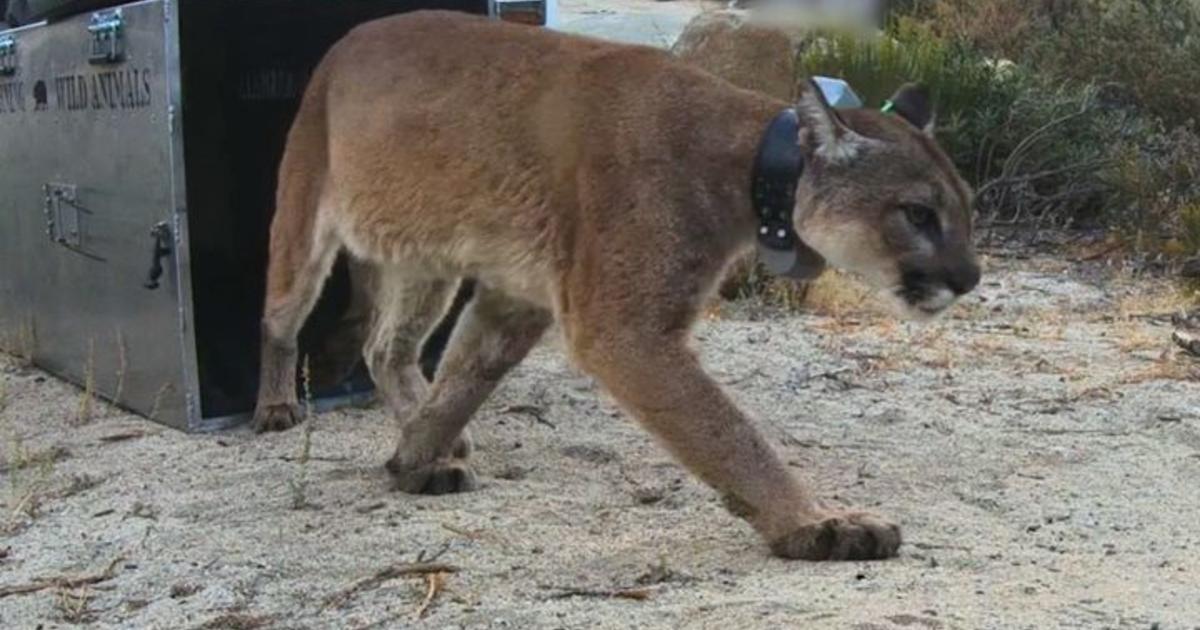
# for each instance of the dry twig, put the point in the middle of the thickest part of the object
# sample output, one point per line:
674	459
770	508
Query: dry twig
436	581
62	582
128	435
533	411
341	598
638	593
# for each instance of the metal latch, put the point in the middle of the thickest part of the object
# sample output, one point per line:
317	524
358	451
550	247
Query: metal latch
161	248
531	12
108	37
8	55
62	215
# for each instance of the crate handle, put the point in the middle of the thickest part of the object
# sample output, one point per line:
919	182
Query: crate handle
108	37
161	233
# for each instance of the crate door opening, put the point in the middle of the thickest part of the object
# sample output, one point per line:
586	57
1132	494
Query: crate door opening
245	66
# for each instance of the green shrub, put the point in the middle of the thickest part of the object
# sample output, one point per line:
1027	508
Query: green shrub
1034	148
1156	183
1047	142
1150	47
960	78
1000	28
1189	219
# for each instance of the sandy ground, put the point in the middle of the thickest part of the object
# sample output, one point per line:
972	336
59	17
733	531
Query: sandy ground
1041	448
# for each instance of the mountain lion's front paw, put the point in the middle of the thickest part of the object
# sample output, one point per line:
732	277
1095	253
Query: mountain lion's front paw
841	536
278	417
443	476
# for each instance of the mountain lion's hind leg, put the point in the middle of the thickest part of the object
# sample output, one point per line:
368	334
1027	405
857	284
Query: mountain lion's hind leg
405	309
493	334
296	272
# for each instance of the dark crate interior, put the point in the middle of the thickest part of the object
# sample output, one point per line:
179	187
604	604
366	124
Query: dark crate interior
244	67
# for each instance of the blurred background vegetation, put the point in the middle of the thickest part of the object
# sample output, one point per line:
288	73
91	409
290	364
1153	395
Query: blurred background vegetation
1062	113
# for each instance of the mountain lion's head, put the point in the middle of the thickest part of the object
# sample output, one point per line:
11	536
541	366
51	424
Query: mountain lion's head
880	199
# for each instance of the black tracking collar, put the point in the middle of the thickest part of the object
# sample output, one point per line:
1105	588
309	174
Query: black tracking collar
777	169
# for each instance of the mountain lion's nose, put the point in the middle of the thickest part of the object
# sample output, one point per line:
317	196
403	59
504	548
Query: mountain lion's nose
963	278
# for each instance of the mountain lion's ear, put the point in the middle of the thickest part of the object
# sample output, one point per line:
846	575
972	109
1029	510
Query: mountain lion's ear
912	103
830	138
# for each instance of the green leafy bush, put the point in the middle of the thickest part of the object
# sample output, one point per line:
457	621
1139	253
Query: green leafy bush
1149	47
1088	123
1156	179
1032	147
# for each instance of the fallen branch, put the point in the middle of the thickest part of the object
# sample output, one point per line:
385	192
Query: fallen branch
129	435
929	546
477	535
312	458
62	582
1102	432
638	594
530	410
407	569
242	621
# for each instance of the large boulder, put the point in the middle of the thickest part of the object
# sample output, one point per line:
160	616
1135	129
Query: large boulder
743	51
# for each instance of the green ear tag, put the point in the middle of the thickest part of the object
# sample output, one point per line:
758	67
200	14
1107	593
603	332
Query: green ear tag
888	106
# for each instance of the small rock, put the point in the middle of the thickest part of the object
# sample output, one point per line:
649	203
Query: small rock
184	590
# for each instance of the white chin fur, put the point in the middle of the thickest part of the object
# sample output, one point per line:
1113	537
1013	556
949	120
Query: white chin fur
922	311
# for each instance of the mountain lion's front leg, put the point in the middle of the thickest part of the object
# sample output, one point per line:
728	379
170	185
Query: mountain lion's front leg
657	379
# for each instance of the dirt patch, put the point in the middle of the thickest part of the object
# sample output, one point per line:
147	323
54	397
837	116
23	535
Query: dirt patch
1044	472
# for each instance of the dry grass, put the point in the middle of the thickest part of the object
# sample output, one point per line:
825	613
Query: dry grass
833	293
1157	298
85	410
837	294
74	604
158	398
1145	301
27	493
1132	336
21	343
1168	366
988	345
1048	324
298	485
941	358
122	367
31	481
29	473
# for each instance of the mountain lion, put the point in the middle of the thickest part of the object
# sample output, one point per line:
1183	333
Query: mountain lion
604	187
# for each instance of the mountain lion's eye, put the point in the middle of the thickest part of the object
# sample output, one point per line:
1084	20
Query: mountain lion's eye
921	217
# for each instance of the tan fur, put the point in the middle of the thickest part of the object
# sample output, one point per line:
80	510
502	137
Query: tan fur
600	185
753	56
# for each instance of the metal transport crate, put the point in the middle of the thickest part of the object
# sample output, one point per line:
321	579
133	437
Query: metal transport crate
138	152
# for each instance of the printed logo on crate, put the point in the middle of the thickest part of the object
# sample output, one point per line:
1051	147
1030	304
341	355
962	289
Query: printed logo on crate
116	89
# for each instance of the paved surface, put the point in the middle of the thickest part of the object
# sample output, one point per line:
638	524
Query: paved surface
636	22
